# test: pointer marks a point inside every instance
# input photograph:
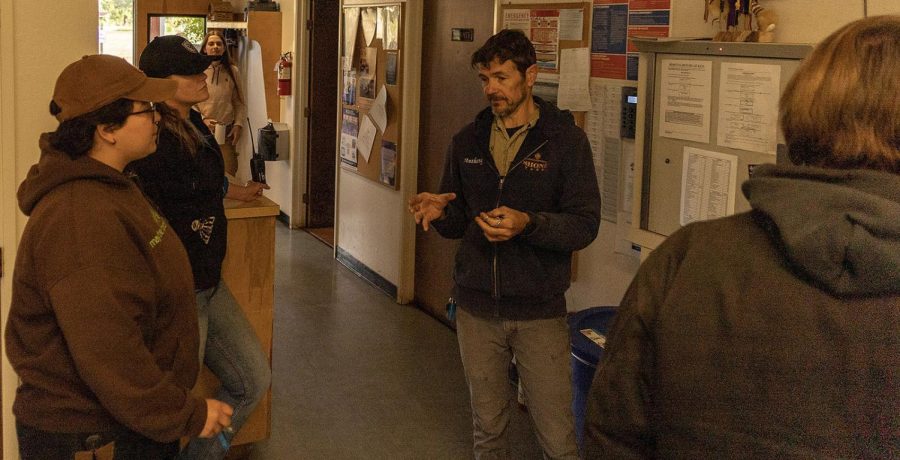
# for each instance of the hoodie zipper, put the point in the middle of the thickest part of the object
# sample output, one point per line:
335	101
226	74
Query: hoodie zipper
496	272
495	266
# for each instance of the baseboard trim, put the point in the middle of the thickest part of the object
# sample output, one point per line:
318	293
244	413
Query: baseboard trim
284	218
366	273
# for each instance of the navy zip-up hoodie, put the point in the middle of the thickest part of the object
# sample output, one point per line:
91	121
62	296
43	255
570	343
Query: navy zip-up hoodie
552	179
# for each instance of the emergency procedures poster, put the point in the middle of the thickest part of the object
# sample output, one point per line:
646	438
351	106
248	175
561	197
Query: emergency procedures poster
614	22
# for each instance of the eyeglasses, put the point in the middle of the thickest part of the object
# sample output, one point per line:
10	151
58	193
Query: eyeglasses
152	108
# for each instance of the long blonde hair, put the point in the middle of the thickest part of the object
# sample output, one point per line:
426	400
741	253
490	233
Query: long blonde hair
841	109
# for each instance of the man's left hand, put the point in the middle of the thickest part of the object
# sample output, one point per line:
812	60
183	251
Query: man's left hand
502	224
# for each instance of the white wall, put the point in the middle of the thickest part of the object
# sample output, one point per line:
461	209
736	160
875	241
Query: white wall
29	65
876	7
372	224
280	175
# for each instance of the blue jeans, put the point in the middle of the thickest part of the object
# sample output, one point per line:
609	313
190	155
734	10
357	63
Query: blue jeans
231	350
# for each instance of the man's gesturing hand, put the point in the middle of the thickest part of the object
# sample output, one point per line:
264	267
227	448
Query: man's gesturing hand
426	207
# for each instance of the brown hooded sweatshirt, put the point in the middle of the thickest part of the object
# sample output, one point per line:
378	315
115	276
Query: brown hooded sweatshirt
102	329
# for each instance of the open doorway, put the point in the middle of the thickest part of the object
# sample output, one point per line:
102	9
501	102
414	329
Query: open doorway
115	27
322	68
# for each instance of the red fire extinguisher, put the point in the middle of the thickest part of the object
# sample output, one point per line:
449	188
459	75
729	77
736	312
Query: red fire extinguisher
284	74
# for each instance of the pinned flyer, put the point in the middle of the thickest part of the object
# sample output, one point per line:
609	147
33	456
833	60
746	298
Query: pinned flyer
369	23
351	26
366	138
378	111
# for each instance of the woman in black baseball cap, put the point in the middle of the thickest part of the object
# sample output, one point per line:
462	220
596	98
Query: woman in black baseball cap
186	179
172	55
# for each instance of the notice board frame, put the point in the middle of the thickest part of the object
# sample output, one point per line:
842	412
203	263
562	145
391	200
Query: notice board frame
372	168
585	42
658	160
585	7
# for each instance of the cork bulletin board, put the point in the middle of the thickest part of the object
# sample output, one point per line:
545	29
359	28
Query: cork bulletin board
549	26
544	29
366	68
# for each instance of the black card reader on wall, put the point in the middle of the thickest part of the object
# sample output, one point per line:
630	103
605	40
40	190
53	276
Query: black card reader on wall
629	111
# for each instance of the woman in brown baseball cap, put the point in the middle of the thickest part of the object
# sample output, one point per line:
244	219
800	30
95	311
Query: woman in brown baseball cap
102	330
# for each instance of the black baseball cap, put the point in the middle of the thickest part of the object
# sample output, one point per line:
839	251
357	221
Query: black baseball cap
172	55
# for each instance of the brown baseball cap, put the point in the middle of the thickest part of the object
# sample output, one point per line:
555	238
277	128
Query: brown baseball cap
99	79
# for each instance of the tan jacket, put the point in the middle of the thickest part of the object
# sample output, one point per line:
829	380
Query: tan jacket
224	104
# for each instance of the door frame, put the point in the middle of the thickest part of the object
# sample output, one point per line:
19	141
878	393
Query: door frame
8	215
300	84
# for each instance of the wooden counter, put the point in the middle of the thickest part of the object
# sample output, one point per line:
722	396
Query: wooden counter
249	272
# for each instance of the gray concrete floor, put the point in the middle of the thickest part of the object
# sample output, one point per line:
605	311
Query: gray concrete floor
356	376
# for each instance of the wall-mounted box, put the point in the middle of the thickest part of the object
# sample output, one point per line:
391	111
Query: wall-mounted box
462	35
274	142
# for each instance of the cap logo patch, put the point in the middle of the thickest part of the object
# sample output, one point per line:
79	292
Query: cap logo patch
188	46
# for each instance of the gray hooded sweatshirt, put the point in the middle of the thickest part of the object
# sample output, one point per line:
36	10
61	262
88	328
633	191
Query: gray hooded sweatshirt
769	334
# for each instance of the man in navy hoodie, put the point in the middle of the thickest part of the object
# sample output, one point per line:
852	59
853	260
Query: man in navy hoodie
519	188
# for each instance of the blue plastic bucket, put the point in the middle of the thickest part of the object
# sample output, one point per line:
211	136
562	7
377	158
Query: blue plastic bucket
586	354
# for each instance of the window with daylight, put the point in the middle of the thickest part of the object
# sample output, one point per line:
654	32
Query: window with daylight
191	27
115	28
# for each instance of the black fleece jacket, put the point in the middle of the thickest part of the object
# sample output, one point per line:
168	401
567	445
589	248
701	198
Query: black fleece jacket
189	192
552	179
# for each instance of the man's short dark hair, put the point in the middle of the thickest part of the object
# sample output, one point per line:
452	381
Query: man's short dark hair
508	44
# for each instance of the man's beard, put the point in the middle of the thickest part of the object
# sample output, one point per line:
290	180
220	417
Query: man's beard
511	106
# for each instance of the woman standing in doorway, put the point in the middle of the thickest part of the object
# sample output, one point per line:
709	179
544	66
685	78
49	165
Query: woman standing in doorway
186	179
225	105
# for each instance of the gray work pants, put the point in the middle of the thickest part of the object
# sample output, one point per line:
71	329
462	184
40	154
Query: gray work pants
542	350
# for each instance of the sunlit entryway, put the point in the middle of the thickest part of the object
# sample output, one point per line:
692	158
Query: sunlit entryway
116	28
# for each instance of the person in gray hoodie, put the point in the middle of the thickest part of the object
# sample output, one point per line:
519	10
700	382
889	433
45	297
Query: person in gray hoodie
102	328
775	333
